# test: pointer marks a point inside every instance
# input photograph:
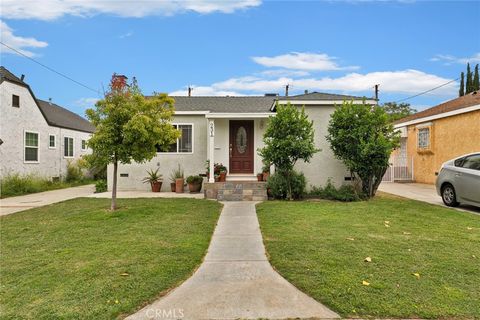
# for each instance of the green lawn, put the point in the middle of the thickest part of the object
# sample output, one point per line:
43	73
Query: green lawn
321	247
77	260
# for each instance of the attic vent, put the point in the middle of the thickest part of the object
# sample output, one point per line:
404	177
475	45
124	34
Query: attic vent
271	94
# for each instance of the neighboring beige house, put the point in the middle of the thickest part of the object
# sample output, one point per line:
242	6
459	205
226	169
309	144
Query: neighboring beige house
435	135
229	130
37	137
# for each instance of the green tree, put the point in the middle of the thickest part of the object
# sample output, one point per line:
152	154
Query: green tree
289	137
363	138
468	86
129	126
476	81
396	111
461	91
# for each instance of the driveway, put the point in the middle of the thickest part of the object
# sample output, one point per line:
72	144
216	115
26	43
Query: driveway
20	203
420	192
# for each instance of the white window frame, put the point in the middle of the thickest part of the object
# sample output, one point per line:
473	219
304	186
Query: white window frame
25	146
427	146
73	147
193	139
81	144
54	140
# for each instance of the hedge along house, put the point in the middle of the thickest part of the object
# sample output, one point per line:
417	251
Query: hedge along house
37	137
229	130
435	135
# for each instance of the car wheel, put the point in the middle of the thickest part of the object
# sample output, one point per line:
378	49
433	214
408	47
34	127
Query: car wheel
448	196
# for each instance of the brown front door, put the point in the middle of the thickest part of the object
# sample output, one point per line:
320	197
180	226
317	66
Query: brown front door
241	146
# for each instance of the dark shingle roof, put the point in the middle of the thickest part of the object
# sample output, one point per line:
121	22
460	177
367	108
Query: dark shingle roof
55	115
467	100
60	117
7	75
321	96
246	104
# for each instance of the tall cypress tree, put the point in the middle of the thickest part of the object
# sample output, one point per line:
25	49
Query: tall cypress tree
461	92
476	83
468	87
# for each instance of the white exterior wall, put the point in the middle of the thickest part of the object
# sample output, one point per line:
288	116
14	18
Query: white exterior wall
13	124
323	165
194	163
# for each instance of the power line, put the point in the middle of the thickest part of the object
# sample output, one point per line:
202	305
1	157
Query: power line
52	70
427	91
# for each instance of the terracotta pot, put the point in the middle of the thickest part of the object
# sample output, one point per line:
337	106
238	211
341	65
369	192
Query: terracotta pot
172	186
179	183
223	177
260	177
194	187
266	175
156	186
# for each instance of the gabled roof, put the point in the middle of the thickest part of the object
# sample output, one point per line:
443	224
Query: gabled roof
60	117
244	104
55	115
321	96
7	75
466	101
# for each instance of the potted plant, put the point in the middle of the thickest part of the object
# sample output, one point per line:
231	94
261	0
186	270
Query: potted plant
173	177
194	183
266	171
179	180
221	171
155	180
260	176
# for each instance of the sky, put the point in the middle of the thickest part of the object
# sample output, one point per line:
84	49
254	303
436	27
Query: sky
243	47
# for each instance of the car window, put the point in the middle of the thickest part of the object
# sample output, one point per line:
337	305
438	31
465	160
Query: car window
458	162
472	162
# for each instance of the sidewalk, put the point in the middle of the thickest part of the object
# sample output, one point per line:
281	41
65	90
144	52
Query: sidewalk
235	281
420	192
20	203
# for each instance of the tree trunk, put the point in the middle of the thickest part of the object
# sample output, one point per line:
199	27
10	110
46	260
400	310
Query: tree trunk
114	187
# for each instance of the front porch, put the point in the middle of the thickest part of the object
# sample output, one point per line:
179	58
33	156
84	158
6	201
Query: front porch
236	191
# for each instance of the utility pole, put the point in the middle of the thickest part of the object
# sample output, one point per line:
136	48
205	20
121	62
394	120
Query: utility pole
189	91
286	90
376	92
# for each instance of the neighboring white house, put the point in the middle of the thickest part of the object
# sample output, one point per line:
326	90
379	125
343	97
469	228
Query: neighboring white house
37	137
229	130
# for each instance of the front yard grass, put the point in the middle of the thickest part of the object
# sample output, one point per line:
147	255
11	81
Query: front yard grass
77	260
425	259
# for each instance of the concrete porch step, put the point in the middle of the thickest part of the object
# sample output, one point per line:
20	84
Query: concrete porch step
241	177
236	191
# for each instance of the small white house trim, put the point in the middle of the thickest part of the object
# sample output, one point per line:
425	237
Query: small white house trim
439	116
239	115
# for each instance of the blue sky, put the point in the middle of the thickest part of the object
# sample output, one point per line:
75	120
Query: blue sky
243	47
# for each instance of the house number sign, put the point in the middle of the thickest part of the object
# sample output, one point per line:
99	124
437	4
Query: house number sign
212	129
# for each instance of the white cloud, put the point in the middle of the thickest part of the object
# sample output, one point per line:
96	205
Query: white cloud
205	91
53	9
17	42
86	102
449	59
126	35
400	82
303	61
284	73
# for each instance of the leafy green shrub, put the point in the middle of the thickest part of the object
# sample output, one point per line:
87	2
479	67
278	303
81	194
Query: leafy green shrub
16	184
194	179
278	184
75	170
101	186
345	193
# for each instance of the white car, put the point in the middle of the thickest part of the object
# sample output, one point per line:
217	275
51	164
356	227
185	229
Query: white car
459	181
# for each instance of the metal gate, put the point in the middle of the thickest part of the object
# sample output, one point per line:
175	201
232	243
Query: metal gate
400	169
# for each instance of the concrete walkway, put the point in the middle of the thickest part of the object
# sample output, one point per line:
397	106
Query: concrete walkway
235	280
420	192
20	203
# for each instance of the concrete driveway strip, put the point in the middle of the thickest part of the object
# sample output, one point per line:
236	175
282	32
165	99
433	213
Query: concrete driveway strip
235	280
20	203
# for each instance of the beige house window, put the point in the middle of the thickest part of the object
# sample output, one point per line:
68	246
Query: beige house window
424	138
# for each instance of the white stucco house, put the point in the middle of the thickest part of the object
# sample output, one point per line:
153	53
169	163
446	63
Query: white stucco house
229	130
37	137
